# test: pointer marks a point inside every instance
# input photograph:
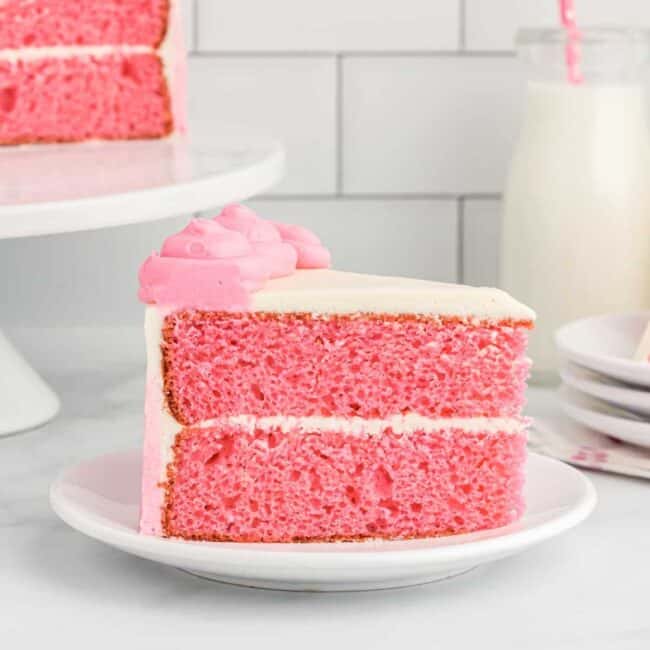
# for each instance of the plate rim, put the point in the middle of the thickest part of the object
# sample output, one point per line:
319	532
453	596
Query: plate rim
642	429
569	373
273	555
627	367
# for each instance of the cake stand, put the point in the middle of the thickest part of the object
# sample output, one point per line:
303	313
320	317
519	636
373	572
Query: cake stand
68	188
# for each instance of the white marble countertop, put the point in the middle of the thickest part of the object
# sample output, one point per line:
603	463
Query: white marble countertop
586	589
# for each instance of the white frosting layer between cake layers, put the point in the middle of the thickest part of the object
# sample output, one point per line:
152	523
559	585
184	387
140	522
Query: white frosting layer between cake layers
68	51
338	292
400	424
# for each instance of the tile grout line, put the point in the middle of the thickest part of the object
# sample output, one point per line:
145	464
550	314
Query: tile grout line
339	125
460	244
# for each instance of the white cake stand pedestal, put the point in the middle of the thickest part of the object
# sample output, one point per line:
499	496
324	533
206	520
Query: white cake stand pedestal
68	188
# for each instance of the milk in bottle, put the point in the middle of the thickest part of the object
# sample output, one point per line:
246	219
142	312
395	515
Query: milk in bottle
576	213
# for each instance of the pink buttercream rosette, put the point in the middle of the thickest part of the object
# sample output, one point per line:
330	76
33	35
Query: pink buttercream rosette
216	263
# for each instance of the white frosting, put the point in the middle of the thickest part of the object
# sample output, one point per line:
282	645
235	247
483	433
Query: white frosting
169	55
400	424
337	292
153	322
68	51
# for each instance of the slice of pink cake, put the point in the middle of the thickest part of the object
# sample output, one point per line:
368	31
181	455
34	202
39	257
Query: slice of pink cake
289	402
90	69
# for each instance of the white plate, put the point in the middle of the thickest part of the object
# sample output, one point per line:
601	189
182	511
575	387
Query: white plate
607	345
628	397
606	419
100	498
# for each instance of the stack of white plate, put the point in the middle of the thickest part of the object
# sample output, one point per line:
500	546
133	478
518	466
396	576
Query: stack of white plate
603	387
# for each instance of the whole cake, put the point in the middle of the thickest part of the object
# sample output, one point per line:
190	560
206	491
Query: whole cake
289	402
74	70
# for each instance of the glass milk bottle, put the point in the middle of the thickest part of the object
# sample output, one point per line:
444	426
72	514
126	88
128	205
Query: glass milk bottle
576	211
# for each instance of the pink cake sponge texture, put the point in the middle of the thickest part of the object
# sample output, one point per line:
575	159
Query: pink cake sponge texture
65	99
270	485
46	23
218	365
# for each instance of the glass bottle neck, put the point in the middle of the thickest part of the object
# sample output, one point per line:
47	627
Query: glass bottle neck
605	56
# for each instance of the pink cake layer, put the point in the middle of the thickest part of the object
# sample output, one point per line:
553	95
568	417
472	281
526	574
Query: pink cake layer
270	486
371	366
40	23
109	97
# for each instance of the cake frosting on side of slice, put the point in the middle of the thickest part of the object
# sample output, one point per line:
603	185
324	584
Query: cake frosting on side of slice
90	69
289	402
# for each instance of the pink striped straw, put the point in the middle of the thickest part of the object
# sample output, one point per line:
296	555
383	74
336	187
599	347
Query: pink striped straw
572	56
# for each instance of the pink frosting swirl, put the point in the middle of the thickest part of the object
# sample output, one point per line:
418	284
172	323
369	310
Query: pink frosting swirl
311	253
216	263
264	238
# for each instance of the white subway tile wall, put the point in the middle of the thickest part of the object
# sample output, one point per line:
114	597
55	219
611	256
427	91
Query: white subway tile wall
398	120
333	26
481	223
380	236
428	125
291	98
189	23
